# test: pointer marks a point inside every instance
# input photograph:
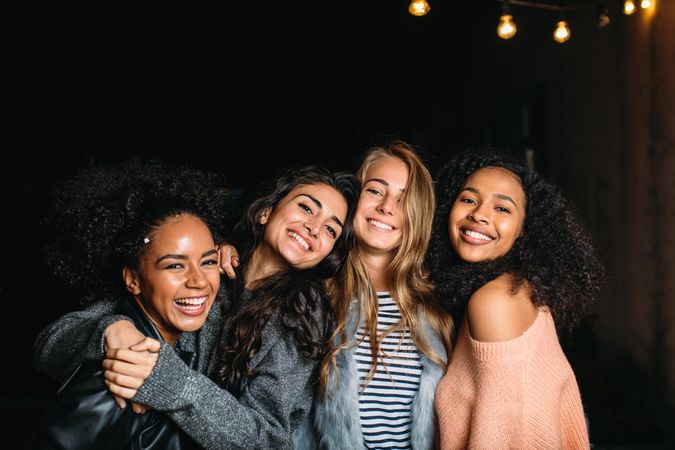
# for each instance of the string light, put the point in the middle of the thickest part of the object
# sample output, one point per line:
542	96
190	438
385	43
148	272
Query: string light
506	28
562	31
603	16
419	7
628	7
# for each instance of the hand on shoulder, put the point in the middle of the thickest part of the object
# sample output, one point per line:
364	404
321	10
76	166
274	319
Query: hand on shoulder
494	314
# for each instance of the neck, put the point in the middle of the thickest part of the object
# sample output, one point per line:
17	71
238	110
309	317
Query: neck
260	265
169	336
376	266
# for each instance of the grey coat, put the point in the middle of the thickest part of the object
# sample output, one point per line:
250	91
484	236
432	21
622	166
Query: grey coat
335	424
270	408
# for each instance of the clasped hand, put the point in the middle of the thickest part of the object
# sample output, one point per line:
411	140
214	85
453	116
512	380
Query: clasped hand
129	358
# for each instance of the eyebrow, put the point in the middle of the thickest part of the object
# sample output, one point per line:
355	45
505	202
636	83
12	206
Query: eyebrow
500	196
320	205
184	257
381	181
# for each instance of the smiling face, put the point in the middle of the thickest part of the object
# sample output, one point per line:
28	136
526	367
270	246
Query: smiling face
302	228
379	219
178	276
488	215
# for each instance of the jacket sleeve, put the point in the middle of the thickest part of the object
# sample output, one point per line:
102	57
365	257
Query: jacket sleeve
74	338
260	418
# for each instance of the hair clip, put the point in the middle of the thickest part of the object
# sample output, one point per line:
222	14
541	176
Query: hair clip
146	240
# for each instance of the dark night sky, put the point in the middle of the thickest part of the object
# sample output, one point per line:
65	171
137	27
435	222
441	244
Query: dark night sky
307	81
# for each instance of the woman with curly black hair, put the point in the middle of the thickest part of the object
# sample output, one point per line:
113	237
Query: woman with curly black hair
141	236
513	260
278	324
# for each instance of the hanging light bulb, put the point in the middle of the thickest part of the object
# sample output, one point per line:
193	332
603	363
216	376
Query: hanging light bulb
506	28
645	4
419	7
603	16
628	7
562	32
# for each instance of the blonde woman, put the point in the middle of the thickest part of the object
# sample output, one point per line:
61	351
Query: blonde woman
390	342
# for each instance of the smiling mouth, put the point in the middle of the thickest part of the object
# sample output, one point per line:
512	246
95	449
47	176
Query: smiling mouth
191	304
380	225
476	235
299	239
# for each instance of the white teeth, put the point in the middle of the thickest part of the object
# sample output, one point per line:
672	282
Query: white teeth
190	303
380	225
477	235
299	238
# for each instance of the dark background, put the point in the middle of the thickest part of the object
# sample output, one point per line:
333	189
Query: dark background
248	88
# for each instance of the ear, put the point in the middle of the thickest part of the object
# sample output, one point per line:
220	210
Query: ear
264	215
131	281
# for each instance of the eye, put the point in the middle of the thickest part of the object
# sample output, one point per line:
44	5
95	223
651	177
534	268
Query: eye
503	209
174	266
331	231
467	200
374	191
305	208
210	262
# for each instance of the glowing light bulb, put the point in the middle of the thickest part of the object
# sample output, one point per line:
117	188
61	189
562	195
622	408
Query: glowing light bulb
628	7
644	4
506	28
562	32
603	16
419	7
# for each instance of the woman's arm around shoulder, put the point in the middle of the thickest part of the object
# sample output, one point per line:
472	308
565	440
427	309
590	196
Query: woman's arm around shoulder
74	338
496	314
261	417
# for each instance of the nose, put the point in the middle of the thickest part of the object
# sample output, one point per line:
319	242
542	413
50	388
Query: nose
479	214
387	205
312	227
196	278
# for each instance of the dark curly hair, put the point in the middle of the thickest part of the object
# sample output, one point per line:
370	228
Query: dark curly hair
299	296
555	254
100	214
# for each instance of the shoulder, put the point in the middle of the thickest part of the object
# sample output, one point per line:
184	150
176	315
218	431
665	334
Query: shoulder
496	314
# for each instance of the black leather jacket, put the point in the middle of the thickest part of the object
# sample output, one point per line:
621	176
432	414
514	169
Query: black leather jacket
84	414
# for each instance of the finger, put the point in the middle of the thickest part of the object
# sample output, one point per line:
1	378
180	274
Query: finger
121	334
123	380
120	401
147	345
131	356
120	391
229	258
124	368
138	408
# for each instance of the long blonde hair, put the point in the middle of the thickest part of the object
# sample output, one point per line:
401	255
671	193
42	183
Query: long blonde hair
409	286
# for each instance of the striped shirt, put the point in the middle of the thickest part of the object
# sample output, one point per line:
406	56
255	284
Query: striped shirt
385	405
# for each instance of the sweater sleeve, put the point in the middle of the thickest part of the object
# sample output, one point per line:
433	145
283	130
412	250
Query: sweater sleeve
574	428
74	338
260	418
500	373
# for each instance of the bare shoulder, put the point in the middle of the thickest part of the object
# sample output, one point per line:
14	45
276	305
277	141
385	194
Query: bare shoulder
495	314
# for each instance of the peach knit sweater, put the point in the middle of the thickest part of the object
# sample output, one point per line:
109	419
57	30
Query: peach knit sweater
517	394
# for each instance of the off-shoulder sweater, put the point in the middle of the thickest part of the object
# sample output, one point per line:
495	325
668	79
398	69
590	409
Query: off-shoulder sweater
516	394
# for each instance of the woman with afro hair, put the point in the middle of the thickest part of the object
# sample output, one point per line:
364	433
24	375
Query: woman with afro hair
512	259
142	236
